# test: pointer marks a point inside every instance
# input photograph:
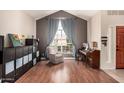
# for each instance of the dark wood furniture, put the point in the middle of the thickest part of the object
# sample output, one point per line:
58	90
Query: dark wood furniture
1	48
29	42
92	58
1	54
35	44
17	61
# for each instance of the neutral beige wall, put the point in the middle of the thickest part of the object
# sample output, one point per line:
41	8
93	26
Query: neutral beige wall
105	25
108	54
89	32
16	22
96	29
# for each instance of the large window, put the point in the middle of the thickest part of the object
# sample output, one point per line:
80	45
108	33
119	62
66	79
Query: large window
61	41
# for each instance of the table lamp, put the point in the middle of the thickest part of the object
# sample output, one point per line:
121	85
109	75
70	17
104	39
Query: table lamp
95	45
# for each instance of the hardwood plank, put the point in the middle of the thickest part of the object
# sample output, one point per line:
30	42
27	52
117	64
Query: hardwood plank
70	71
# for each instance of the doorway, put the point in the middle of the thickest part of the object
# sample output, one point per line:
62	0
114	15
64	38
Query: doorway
120	47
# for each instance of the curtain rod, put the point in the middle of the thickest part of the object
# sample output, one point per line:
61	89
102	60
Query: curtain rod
61	18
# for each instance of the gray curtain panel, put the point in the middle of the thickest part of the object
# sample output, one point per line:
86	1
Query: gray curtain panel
68	27
53	26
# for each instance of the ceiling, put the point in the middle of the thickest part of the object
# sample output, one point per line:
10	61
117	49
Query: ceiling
85	14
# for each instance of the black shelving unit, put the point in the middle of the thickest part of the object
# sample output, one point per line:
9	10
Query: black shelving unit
1	48
8	74
14	62
1	54
17	61
35	44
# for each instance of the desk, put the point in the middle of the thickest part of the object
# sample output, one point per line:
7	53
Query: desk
92	57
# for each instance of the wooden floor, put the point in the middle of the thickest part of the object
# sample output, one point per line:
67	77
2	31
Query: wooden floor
68	72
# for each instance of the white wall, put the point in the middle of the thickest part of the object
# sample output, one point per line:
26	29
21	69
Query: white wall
89	32
105	25
108	26
16	22
95	24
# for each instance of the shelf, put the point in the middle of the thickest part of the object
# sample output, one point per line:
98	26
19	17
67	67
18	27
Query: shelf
22	58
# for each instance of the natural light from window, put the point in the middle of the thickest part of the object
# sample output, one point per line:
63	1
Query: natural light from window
61	42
